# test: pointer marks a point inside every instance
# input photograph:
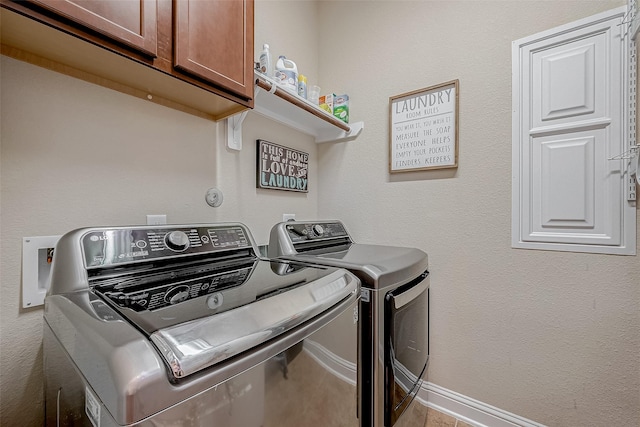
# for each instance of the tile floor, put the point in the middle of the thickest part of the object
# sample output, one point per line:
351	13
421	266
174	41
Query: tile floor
423	416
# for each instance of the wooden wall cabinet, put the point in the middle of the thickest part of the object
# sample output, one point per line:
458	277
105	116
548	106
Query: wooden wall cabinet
192	43
133	23
212	41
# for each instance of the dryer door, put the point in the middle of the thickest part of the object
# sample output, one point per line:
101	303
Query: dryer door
406	345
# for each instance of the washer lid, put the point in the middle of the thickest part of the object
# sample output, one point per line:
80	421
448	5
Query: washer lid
154	302
192	346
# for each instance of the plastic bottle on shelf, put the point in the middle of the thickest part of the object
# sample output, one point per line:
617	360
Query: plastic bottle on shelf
287	74
302	86
266	66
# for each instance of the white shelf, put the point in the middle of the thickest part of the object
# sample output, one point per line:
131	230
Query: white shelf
291	110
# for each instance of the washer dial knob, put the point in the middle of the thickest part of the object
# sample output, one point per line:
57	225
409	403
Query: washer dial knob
318	229
177	241
177	294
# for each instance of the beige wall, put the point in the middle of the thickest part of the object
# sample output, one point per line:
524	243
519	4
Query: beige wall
291	28
554	337
74	154
550	336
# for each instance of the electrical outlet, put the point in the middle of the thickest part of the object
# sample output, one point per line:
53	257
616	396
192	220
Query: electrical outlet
288	217
156	219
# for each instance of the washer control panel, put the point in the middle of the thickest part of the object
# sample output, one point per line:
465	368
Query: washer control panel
106	247
303	231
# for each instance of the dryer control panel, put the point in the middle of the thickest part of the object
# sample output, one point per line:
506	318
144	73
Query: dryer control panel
301	231
293	237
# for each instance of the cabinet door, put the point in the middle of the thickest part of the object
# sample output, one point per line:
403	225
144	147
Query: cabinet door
569	118
214	41
132	22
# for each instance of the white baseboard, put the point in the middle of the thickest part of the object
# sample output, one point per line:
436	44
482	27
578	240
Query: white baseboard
449	402
469	410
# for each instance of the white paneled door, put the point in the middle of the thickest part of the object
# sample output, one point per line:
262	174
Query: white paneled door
570	94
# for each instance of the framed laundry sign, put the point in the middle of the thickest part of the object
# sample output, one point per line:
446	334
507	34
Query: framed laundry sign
281	168
423	129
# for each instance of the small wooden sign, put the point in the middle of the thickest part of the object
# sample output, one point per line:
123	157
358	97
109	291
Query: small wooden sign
423	129
281	168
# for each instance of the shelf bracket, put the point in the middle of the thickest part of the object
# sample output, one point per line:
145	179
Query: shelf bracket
234	126
234	130
342	136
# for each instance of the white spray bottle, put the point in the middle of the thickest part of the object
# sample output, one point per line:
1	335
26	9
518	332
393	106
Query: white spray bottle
266	66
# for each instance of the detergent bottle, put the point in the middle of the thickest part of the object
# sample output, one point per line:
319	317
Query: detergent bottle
287	74
266	66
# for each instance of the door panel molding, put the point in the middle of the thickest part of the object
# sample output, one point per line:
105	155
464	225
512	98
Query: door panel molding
570	113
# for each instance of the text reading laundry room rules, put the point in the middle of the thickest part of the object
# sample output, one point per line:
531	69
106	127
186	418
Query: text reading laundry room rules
423	128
